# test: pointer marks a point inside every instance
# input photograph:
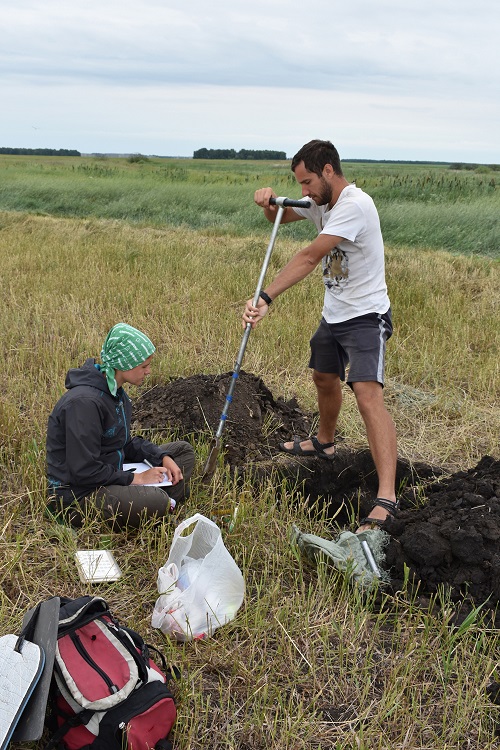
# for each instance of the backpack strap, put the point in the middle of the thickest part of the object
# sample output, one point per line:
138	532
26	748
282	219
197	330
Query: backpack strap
162	659
172	672
73	721
28	631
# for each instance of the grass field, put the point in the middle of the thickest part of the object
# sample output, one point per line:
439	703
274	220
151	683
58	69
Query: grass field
175	248
420	206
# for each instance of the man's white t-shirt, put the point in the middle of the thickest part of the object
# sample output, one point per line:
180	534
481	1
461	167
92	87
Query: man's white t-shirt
354	270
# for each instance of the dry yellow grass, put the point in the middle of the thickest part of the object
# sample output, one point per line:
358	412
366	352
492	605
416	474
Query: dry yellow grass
308	663
69	281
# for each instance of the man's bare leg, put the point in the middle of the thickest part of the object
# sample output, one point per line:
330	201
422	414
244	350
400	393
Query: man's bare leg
329	390
381	434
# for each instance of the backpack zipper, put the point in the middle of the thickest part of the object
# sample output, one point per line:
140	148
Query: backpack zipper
88	659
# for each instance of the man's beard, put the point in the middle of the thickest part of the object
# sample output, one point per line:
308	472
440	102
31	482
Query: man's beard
325	196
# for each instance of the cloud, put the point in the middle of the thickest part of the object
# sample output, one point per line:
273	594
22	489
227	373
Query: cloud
253	45
320	63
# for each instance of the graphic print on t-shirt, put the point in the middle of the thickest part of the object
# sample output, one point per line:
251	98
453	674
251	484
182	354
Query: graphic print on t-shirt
336	270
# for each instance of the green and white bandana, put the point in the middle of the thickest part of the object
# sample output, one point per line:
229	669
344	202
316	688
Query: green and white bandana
125	348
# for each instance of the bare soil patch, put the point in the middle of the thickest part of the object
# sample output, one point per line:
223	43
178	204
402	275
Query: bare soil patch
447	531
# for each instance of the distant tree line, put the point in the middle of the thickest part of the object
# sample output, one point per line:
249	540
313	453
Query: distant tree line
40	151
244	153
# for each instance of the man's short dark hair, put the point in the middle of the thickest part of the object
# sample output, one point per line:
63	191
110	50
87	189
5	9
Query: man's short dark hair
315	155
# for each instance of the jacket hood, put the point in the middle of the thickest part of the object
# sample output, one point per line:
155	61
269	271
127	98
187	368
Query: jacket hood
88	374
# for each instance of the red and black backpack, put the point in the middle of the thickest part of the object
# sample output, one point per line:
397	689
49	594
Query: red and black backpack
108	694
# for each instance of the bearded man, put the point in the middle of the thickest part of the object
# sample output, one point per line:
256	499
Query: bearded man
356	319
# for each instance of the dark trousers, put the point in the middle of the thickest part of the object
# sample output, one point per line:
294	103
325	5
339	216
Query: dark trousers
123	506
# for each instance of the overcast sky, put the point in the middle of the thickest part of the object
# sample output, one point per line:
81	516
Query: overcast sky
393	79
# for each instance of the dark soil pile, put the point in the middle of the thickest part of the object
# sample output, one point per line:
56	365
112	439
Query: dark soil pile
453	536
448	528
256	421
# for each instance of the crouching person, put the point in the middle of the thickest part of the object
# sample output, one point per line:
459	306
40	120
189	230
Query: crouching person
89	440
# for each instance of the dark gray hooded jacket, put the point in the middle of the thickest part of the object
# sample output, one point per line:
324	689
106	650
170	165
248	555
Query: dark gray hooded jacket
88	436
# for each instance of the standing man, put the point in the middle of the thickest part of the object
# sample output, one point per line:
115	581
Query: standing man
356	321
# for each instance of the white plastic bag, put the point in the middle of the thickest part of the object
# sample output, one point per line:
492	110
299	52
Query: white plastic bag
200	585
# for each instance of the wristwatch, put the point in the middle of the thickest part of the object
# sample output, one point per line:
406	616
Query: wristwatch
267	299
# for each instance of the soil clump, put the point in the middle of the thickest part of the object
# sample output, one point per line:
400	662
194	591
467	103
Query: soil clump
448	534
447	531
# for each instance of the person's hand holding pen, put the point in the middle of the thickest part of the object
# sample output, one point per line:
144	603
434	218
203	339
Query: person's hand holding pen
154	475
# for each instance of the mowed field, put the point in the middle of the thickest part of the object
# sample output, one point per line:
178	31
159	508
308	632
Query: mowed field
174	247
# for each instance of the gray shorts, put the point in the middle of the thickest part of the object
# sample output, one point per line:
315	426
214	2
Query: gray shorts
359	343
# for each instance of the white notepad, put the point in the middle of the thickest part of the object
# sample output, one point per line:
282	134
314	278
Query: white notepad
139	468
97	565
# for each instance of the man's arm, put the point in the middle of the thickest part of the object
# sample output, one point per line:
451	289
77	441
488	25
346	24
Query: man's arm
295	270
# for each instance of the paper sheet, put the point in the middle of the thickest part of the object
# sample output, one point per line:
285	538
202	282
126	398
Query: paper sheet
139	468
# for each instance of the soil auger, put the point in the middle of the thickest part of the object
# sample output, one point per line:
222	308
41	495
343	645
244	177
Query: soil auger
211	462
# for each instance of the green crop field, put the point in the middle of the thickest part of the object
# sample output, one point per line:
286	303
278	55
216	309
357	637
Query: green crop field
174	247
420	206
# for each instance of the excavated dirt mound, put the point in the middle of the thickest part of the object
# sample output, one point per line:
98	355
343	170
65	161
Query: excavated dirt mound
447	531
452	537
256	421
